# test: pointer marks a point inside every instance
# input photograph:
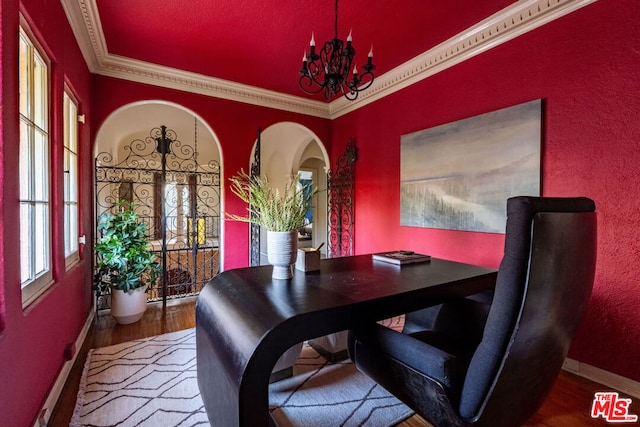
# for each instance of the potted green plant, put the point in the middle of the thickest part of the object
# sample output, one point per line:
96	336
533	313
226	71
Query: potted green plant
125	263
281	213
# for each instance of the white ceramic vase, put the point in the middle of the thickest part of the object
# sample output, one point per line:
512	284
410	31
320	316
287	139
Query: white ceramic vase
128	307
284	365
333	343
282	250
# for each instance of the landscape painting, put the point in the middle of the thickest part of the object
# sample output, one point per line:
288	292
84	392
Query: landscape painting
458	176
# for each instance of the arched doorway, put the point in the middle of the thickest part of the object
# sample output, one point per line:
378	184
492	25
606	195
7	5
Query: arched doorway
175	190
288	150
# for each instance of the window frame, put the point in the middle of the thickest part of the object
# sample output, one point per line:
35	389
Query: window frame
71	177
35	194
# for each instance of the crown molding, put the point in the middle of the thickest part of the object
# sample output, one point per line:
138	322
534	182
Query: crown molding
85	22
173	78
514	20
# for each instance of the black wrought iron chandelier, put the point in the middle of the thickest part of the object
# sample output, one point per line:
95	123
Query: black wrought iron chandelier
328	71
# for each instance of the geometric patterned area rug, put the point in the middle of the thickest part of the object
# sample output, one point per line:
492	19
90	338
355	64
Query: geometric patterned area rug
146	382
321	393
153	382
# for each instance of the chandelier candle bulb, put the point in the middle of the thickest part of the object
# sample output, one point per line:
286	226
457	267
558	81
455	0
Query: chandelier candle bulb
312	46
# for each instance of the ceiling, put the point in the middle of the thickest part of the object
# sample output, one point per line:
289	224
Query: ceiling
250	51
261	43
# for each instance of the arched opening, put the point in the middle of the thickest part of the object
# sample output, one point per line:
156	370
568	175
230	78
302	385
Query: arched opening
176	191
288	150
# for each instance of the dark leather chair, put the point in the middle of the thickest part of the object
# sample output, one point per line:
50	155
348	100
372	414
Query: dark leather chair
491	361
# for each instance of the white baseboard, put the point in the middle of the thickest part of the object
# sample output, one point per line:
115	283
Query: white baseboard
623	385
52	399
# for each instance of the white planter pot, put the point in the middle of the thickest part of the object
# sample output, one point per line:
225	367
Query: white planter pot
284	365
282	250
128	307
332	347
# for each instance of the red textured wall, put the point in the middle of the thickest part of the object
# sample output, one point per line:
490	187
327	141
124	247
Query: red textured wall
235	124
586	67
3	112
33	341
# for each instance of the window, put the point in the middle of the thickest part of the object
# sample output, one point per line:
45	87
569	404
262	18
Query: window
178	198
35	223
70	179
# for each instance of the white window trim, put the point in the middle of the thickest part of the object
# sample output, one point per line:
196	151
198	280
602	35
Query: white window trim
71	118
39	284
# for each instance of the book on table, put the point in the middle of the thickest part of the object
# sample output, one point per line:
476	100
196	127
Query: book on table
401	257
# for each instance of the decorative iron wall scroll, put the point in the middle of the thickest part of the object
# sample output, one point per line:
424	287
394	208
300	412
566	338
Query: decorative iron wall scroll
341	214
177	197
458	176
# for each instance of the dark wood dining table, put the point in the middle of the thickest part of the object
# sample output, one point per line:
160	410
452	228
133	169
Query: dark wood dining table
245	320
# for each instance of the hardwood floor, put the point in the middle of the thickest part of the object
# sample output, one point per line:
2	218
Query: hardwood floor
178	315
568	404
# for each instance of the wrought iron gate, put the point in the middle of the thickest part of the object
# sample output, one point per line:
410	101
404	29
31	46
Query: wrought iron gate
177	197
341	215
254	229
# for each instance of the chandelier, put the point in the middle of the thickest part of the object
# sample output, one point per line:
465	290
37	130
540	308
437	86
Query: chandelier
328	71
